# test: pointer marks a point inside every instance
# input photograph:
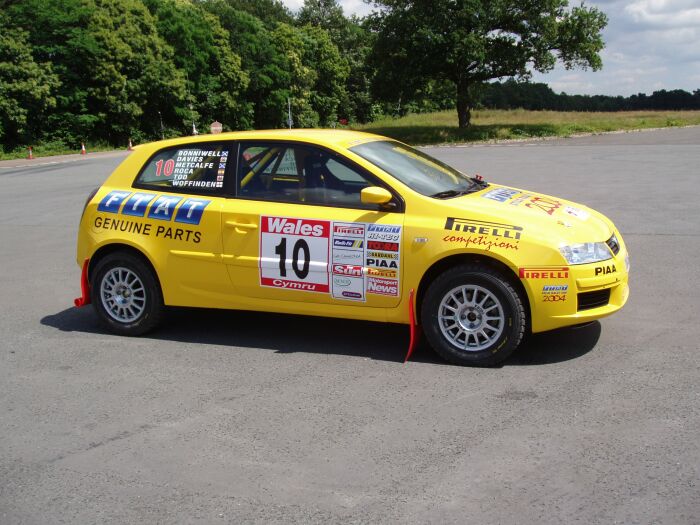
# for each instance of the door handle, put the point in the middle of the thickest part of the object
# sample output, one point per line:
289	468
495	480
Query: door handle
242	225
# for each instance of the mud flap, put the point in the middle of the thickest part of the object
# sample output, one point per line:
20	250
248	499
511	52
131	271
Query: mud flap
415	329
84	299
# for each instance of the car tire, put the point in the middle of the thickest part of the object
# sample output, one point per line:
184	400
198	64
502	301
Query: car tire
126	294
472	315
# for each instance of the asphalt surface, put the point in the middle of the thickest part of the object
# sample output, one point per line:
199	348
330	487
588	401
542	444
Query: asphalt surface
226	417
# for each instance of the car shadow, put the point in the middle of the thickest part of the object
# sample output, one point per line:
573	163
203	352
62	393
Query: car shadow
288	334
556	346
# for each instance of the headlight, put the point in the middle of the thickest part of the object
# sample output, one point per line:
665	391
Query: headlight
586	252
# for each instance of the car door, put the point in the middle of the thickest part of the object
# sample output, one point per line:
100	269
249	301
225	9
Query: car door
298	231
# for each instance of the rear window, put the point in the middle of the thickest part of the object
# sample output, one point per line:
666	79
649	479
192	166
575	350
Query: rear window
196	168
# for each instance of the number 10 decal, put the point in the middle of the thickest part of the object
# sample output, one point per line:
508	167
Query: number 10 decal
300	246
294	253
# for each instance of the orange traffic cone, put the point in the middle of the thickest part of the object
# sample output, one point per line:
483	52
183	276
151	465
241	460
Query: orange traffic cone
31	153
130	148
82	149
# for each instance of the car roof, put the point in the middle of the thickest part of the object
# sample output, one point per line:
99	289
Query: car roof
333	138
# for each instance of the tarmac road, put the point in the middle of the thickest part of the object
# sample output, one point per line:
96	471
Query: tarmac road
227	417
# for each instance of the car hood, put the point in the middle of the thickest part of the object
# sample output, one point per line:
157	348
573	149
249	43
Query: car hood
543	215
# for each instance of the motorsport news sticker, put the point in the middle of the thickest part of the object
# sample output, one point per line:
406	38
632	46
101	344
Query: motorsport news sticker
380	286
294	253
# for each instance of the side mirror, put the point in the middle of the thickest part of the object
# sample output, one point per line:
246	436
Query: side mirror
375	195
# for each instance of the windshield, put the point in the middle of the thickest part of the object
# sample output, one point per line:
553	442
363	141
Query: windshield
418	171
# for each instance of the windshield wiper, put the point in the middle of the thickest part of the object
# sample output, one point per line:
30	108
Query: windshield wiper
448	193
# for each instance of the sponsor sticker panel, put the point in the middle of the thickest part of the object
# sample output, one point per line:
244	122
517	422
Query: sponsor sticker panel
347	257
347	260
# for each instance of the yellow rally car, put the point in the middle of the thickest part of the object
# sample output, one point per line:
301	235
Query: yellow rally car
343	224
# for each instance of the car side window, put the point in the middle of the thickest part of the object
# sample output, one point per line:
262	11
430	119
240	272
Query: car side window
281	172
194	168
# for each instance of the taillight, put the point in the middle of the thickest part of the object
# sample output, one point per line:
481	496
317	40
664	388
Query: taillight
87	201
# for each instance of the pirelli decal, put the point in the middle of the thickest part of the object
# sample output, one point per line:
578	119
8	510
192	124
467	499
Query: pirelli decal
482	235
496	229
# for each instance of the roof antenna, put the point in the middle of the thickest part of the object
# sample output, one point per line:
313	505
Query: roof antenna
290	122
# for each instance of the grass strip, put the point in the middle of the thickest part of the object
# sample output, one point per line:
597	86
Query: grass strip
488	125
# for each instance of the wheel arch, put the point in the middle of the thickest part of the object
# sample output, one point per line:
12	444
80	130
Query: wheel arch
450	261
113	247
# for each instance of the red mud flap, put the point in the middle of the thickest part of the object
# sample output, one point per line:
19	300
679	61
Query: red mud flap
415	329
84	286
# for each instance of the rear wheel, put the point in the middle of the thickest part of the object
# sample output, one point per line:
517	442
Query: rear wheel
126	294
472	315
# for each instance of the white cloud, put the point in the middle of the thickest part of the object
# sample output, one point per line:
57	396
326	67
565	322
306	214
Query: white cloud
650	45
660	13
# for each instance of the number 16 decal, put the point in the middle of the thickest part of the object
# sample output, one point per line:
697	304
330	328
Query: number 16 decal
294	253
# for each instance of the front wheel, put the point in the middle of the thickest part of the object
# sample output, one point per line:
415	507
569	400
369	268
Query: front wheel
126	294
472	315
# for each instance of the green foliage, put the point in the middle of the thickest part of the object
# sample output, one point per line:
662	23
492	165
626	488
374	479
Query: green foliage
354	41
317	73
331	69
110	60
471	41
269	12
267	68
26	87
215	78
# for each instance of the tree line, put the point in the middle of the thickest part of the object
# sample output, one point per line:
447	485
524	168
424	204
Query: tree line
538	96
114	70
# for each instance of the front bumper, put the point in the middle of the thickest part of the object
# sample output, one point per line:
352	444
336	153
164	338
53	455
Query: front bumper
578	293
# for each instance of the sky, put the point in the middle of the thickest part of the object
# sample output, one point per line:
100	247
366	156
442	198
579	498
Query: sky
650	45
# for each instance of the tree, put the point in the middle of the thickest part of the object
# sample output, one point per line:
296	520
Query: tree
215	79
270	12
471	41
326	14
354	41
26	88
323	57
113	67
266	66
